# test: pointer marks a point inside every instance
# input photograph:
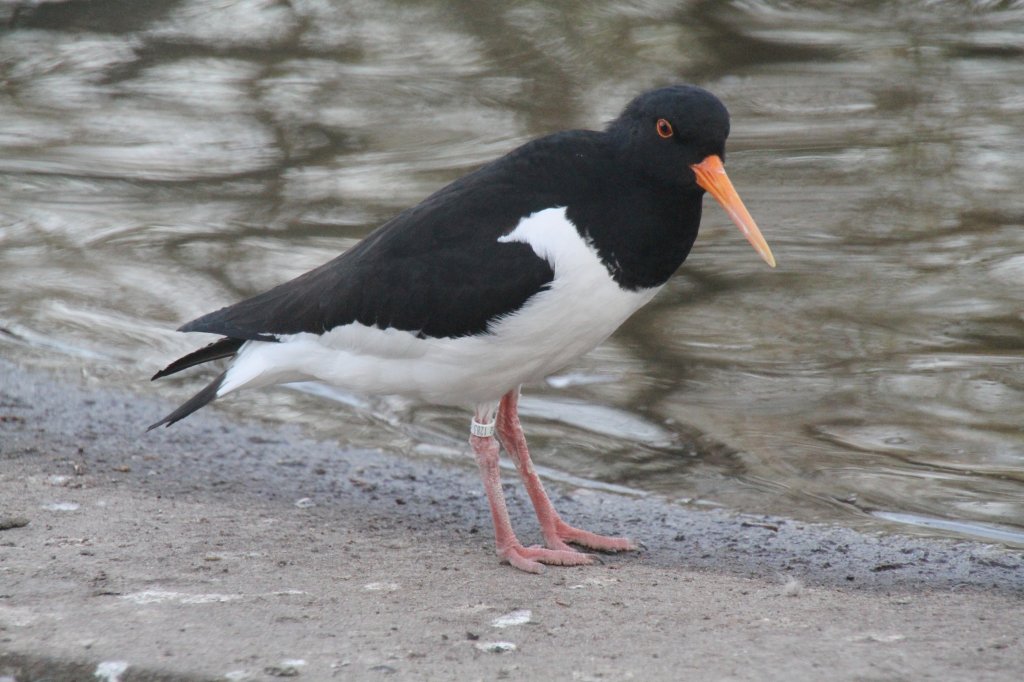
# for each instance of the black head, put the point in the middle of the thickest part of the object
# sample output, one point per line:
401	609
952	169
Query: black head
675	137
665	131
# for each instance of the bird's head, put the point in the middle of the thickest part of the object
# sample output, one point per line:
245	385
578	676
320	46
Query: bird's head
676	136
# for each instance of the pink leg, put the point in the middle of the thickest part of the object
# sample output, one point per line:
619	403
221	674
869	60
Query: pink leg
528	559
556	531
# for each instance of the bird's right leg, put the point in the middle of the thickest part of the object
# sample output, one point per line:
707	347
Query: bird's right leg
529	559
556	531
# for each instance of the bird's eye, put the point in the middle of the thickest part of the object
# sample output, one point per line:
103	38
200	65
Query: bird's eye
664	128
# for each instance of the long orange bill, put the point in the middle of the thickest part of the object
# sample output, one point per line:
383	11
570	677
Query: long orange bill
711	176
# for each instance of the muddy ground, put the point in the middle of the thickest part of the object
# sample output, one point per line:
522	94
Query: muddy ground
235	551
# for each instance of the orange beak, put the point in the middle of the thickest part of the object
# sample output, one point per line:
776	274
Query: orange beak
711	176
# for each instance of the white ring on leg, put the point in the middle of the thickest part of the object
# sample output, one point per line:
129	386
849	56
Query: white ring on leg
482	430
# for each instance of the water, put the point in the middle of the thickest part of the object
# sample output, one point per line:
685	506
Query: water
160	159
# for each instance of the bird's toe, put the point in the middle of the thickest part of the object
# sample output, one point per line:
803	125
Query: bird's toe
532	559
602	543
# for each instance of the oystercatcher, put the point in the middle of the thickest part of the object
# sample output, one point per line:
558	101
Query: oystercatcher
499	279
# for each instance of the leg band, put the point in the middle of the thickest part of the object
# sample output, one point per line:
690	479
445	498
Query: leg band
482	430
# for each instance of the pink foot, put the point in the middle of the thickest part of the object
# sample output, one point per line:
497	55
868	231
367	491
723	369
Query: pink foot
603	543
532	559
556	532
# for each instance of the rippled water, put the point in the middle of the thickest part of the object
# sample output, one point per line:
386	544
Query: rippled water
161	159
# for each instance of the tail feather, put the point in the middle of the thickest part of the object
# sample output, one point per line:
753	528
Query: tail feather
192	404
222	348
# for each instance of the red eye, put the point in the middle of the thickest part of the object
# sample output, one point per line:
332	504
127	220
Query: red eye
664	128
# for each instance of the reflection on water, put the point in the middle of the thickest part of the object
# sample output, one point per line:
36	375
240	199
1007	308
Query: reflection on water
160	159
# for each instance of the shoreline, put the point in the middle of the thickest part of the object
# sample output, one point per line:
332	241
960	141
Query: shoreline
223	550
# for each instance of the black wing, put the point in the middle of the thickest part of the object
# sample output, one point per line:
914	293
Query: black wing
437	269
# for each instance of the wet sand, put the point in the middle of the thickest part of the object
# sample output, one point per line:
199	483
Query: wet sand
226	550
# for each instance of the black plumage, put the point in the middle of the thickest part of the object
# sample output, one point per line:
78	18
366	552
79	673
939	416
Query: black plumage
438	270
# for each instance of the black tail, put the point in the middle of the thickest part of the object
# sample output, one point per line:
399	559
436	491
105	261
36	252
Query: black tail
192	404
222	348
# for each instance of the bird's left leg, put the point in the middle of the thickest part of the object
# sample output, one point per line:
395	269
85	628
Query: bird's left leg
556	531
528	559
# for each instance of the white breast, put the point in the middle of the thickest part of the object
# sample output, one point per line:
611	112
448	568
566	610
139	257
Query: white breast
581	308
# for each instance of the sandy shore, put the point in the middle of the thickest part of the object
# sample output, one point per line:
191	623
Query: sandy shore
219	550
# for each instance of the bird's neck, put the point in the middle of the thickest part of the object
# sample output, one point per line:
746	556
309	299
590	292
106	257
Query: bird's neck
641	252
606	193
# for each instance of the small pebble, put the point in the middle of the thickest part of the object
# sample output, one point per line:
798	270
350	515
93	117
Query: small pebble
61	506
495	647
792	588
110	671
380	587
288	668
878	638
281	671
517	617
9	522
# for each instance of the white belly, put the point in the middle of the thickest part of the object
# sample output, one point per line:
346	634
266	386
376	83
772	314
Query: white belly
579	310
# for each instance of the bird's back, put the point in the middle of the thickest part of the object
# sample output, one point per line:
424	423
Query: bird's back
437	269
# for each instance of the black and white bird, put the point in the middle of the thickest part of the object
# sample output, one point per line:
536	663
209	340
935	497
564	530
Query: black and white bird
497	280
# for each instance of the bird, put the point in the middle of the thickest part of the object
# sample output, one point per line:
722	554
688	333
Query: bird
499	279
